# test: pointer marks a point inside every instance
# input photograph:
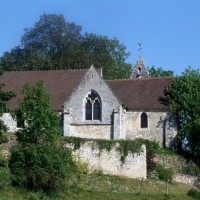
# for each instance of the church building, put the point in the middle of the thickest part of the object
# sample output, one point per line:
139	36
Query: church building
91	107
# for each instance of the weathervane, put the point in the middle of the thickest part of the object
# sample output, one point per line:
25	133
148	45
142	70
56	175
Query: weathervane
140	47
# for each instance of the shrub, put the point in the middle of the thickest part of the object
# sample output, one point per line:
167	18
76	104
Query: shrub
3	139
153	175
38	162
82	167
4	178
3	161
194	193
98	172
40	167
163	173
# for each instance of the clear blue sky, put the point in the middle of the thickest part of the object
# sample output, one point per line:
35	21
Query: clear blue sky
168	29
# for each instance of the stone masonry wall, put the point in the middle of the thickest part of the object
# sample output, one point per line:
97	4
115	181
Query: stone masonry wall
74	108
185	171
161	127
91	131
109	161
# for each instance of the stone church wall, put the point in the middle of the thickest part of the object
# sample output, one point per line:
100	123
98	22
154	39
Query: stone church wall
161	127
109	161
92	131
74	109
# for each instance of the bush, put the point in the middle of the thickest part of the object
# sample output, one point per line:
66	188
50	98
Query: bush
3	161
163	173
98	172
4	178
40	167
82	167
194	193
153	175
3	139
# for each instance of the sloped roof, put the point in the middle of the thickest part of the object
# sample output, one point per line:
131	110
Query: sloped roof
141	93
134	94
59	84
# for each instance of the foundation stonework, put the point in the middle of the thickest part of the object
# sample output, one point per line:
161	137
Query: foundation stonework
109	162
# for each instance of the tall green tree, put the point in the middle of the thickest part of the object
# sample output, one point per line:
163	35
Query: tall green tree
183	98
41	123
54	43
160	72
38	161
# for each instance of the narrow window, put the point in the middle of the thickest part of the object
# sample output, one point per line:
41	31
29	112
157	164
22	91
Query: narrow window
97	110
88	110
144	120
93	106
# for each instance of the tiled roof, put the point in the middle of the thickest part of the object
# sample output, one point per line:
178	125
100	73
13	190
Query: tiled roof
141	93
59	84
134	94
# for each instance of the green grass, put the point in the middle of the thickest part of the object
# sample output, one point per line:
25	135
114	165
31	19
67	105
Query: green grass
9	133
98	187
94	187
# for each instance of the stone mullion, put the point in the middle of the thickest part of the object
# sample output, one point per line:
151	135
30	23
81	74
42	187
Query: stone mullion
92	110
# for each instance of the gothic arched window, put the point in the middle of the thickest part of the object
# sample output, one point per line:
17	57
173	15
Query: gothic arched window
144	120
92	106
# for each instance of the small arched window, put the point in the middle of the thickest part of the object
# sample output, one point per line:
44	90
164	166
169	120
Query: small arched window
144	120
92	106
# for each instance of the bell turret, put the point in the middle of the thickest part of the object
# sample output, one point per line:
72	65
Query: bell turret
140	70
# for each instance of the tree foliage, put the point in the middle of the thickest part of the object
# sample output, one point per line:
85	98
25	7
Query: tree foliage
41	123
38	161
160	72
183	97
5	96
54	43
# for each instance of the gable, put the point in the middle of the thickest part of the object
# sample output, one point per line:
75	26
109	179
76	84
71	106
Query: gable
92	81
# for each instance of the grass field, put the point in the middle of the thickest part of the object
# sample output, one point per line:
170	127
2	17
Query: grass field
99	187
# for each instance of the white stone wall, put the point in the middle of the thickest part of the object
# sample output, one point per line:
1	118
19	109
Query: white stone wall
91	131
110	163
161	127
187	179
9	122
74	109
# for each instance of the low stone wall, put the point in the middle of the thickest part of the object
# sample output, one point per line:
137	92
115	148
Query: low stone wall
185	171
178	164
109	162
187	179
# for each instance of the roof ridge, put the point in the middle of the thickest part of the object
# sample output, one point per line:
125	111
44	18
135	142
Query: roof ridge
53	70
141	79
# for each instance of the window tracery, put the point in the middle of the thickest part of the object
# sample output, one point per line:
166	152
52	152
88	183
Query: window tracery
92	106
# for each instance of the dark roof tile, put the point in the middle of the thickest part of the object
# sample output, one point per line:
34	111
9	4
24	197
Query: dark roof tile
141	93
134	94
59	84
